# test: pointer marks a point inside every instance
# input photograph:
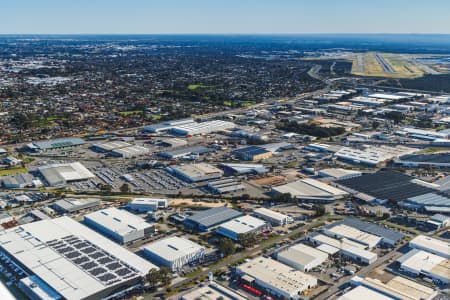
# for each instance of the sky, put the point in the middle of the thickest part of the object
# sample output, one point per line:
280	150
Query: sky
223	16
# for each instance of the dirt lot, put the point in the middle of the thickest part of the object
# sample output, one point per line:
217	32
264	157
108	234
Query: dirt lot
190	202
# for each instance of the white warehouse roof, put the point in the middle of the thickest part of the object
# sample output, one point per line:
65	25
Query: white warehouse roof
173	248
310	189
431	245
61	173
242	225
56	251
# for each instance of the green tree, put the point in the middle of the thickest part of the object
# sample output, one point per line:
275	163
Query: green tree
125	188
226	246
320	210
152	277
247	239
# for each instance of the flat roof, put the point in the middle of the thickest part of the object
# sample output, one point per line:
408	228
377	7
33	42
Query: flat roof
72	204
420	261
173	248
213	291
278	275
74	260
355	234
214	216
362	292
59	143
197	170
270	213
243	224
117	220
302	254
65	171
310	188
432	244
338	172
372	228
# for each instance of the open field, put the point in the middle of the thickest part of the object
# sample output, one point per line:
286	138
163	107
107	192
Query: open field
12	171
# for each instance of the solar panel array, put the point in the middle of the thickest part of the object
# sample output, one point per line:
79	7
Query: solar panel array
98	263
386	185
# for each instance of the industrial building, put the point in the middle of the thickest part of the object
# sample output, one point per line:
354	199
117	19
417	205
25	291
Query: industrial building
273	217
396	288
70	260
119	225
430	202
311	190
372	156
302	257
242	169
212	291
173	252
173	142
242	225
343	231
109	146
131	151
20	180
347	248
338	173
187	151
194	128
252	153
60	174
196	172
279	279
224	186
167	125
147	204
210	218
70	205
418	262
55	144
383	186
431	245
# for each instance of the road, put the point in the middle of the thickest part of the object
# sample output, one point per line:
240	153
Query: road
237	257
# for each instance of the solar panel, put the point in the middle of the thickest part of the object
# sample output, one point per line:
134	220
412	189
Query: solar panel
72	255
80	260
88	250
89	265
105	260
96	255
97	271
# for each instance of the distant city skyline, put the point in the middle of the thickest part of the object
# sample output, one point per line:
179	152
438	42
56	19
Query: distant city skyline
224	17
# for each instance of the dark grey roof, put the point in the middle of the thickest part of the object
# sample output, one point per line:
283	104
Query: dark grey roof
214	216
371	228
251	150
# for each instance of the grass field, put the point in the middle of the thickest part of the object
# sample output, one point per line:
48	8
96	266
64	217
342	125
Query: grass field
129	113
12	171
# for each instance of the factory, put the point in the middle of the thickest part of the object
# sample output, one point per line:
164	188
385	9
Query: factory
252	153
188	151
338	173
130	152
196	172
396	288
147	204
347	248
418	262
279	279
60	174
173	252
431	245
273	217
173	142
311	190
188	127
212	291
224	186
241	169
119	225
69	205
343	231
167	125
302	257
421	134
371	156
240	226
55	144
67	260
430	202
109	146
20	180
210	218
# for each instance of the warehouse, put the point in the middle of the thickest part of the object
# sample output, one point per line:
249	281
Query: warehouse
372	156
196	172
430	202
147	204
71	259
194	128
311	190
69	205
224	186
119	225
131	151
273	217
431	245
186	151
417	262
109	146
396	288
212	291
302	257
279	279
252	153
242	225
241	169
339	174
56	144
173	252
343	231
347	248
60	174
167	125
173	142
383	186
210	218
